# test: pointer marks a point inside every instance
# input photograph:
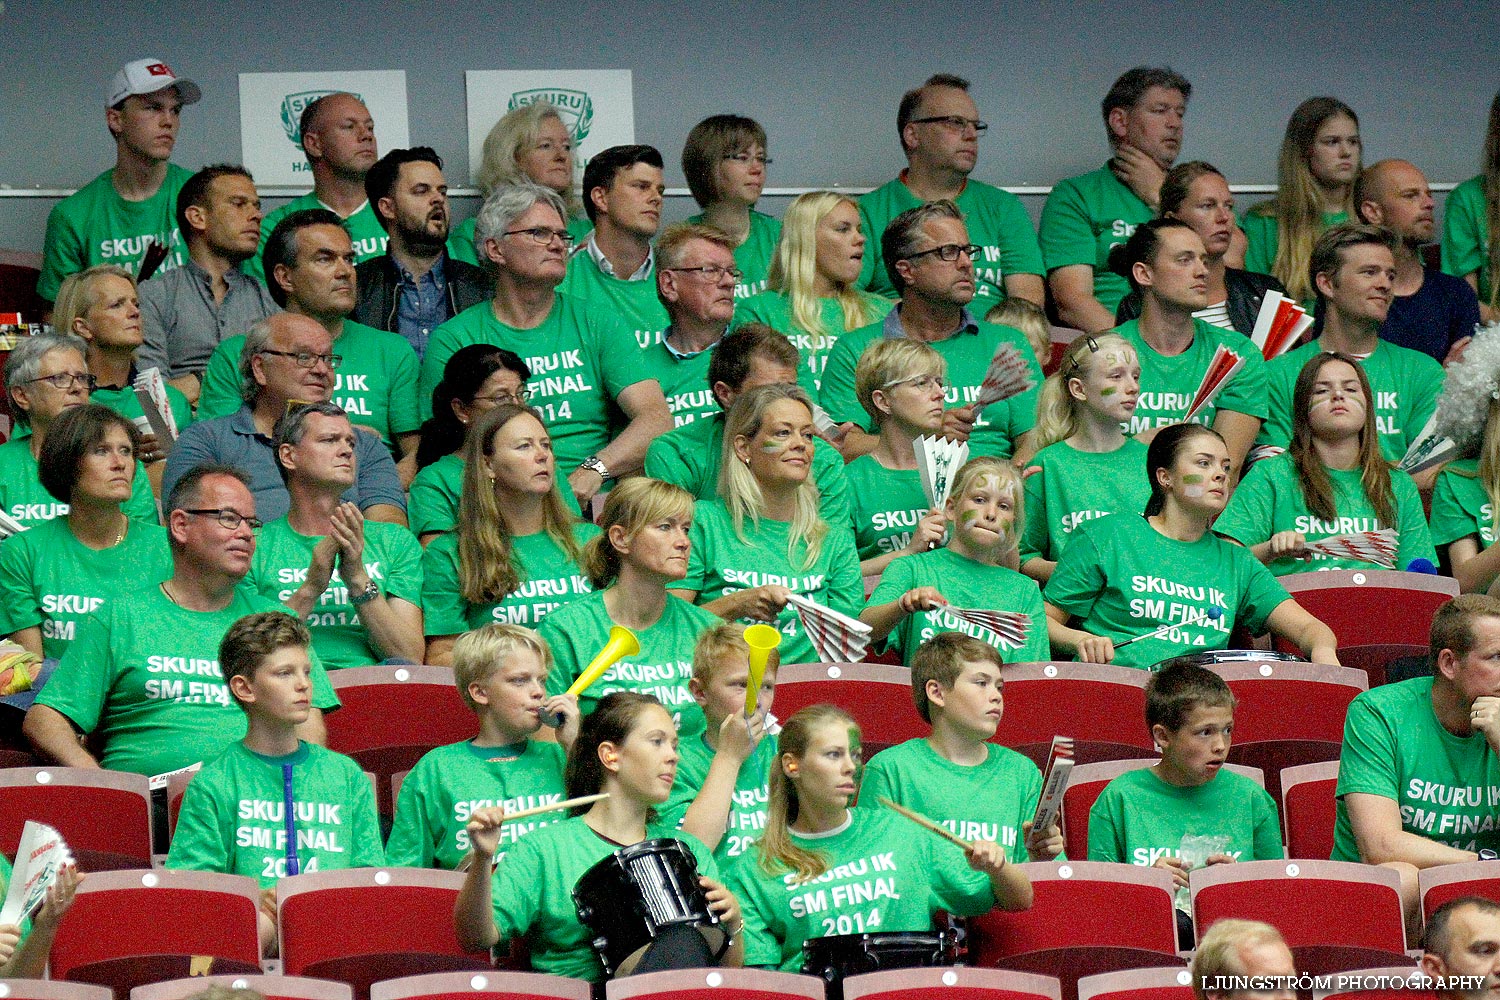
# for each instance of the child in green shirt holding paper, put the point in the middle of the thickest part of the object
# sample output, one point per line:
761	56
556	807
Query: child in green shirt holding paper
501	672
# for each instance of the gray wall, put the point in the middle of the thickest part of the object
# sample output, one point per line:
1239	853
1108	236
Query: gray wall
823	77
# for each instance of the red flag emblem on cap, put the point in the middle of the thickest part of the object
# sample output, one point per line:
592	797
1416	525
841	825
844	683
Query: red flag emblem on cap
160	69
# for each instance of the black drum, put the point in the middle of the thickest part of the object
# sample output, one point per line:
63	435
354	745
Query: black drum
643	893
839	956
1209	657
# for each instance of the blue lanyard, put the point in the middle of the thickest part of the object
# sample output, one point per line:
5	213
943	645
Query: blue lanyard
290	819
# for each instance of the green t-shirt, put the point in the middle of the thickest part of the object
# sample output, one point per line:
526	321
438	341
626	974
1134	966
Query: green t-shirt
885	875
25	500
449	783
461	239
1123	578
1460	506
721	563
581	359
690	456
49	578
748	805
1466	234
986	801
1084	218
1406	384
392	558
124	402
968	354
1270	500
366	232
634	303
432	504
684	381
1077	486
144	673
376	385
1262	234
662	668
966	584
94	225
997	223
886	505
233	816
533	892
753	257
775	310
1394	747
1139	818
549	580
1169	384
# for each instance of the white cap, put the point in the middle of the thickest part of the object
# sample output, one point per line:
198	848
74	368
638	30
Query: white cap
147	76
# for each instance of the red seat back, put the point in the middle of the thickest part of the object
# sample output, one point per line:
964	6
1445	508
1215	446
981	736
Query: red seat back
877	695
1276	700
1299	898
1138	984
1444	883
105	816
397	706
949	984
1308	808
1365	607
1084	700
721	984
481	986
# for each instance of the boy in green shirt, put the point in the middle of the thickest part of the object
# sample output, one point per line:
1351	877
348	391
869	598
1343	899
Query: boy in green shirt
976	789
274	805
501	672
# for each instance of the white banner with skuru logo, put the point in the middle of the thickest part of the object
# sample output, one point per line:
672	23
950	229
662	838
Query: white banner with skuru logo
271	106
597	105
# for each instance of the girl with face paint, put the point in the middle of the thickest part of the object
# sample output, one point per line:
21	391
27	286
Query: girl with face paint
1332	480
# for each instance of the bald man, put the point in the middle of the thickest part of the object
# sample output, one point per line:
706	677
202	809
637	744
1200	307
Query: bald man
1433	312
1462	939
1234	951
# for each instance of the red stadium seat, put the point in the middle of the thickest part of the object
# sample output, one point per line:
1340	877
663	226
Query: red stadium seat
1092	701
1071	966
105	816
1277	700
1446	882
1274	756
270	987
126	914
951	984
878	695
715	984
362	925
488	985
1165	983
1375	657
1397	982
1307	809
1062	336
1365	607
52	989
1078	904
1086	781
1299	898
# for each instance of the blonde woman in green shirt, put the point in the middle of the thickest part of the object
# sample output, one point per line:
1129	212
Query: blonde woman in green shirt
1471	214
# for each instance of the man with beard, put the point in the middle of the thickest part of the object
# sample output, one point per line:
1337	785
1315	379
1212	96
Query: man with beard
414	285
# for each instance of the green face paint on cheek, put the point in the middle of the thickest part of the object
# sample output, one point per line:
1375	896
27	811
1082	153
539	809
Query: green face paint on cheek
1109	391
965	516
772	447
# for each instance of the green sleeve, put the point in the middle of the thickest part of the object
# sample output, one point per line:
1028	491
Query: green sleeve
1451	521
956	887
837	392
1034	541
751	311
872	245
62	252
833	485
1246	392
1260	593
1252	509
874	784
1260	237
621	368
565	663
1020	252
443	606
403	577
898	578
1030	795
220	395
763	931
697	569
79	687
1078	580
1414	538
19	607
405	411
427	508
411	842
1367	762
201	840
323	698
369	849
1465	230
1280	380
142	503
846	587
1106	838
517	903
1267	827
665	462
444	343
1065	233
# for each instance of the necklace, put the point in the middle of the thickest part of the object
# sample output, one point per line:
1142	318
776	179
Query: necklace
124	526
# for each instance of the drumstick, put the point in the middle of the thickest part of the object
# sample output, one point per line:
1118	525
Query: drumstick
927	824
582	800
1213	614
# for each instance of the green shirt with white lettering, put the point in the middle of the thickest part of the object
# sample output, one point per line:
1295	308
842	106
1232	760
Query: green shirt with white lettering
94	225
365	231
1122	578
885	874
997	223
1139	818
1168	384
23	497
748	804
886	506
1445	786
48	578
987	801
966	584
234	811
1270	500
775	310
1460	506
393	561
1076	486
684	381
549	580
1466	234
721	562
144	674
632	302
1406	385
449	783
753	257
1084	218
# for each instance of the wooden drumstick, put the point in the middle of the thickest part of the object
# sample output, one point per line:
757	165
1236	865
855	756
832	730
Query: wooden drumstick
927	824
582	800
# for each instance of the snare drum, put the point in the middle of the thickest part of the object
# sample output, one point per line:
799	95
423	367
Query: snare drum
1209	657
835	958
630	897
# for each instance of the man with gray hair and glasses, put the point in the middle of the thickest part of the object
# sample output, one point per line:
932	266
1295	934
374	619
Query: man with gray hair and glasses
582	358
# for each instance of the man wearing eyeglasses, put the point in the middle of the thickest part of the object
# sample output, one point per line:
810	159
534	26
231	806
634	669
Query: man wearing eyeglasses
614	267
583	360
695	280
286	358
940	130
310	260
143	673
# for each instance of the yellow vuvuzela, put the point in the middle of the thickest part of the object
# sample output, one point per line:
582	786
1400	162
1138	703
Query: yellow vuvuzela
761	639
622	643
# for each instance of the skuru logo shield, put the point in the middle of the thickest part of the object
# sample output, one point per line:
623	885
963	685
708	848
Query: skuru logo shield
292	106
575	107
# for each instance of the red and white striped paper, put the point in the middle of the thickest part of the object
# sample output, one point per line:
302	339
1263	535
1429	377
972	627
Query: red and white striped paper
1010	627
836	637
1008	375
1378	547
1221	369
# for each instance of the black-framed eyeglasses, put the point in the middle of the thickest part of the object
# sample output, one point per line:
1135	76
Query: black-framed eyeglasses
66	380
543	236
307	359
710	272
231	519
500	398
956	122
948	252
747	159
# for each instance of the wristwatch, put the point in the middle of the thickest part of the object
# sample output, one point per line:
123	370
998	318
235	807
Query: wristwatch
365	596
593	464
